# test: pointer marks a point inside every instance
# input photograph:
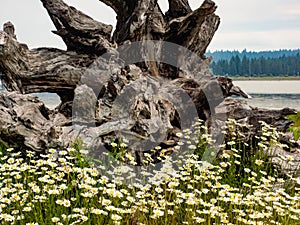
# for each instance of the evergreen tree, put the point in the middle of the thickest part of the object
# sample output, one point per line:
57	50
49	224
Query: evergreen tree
262	66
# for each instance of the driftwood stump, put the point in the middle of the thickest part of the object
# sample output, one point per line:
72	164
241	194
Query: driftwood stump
145	82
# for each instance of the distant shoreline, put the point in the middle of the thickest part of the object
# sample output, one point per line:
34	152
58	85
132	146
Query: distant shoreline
267	78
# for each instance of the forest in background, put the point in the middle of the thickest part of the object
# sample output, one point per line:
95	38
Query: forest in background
248	63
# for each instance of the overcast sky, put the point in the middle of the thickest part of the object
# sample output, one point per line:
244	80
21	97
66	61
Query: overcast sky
251	24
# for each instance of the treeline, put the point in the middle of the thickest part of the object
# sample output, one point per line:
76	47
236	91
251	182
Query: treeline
226	54
262	66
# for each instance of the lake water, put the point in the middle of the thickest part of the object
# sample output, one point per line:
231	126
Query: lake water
265	94
272	93
50	99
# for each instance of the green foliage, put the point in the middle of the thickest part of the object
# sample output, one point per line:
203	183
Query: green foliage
296	126
227	55
2	146
78	150
118	149
245	66
295	118
78	144
296	131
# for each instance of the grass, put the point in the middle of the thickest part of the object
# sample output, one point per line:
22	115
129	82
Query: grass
62	187
296	126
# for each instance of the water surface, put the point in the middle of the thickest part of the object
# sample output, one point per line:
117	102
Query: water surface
272	93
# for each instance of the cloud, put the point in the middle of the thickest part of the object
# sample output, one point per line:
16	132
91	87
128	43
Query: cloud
255	24
256	40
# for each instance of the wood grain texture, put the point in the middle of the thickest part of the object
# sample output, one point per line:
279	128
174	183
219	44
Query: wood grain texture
103	94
